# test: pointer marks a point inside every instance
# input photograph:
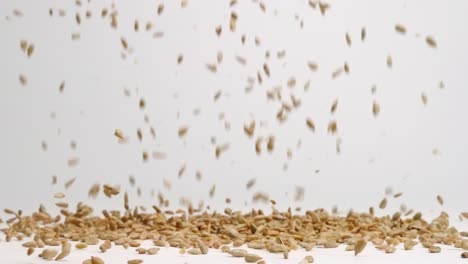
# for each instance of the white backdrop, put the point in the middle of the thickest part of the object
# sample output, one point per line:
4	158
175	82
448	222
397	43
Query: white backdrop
395	149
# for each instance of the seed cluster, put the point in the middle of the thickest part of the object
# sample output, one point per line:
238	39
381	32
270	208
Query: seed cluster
196	232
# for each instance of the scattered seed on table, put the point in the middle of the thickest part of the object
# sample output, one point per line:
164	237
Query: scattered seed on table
434	249
359	246
251	258
48	254
363	34
152	251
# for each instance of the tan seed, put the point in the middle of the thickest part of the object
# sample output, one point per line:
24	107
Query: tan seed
389	61
202	246
270	144
434	249
59	195
440	200
359	246
66	249
30	251
238	253
332	127
30	50
96	260
250	129
152	251
48	254
211	67
464	255
431	42
313	67
251	258
375	109
180	58
309	259
160	11
195	251
310	124
383	203
81	245
23	80
400	28
409	244
182	131
75	36
348	39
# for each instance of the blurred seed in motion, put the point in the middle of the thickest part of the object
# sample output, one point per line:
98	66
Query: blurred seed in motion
182	131
348	39
431	42
424	98
160	9
23	80
440	200
332	127
389	61
400	28
375	108
383	203
359	246
310	124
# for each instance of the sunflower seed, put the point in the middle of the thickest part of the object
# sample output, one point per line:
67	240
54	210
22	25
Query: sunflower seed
348	39
48	254
251	258
440	200
431	42
375	109
424	98
434	249
400	28
332	127
359	246
389	61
